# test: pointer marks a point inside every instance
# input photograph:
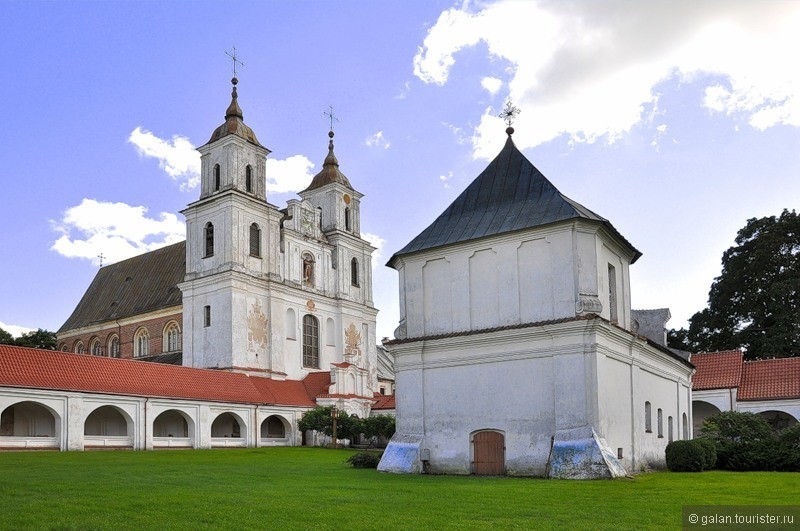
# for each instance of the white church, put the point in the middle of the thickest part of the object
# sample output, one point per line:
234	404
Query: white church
515	352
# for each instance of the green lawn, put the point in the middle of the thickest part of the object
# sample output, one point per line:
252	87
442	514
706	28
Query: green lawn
312	488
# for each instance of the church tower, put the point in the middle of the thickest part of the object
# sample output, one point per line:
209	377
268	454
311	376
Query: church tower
232	246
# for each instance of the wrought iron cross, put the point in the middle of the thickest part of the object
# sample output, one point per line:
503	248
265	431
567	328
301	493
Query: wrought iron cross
509	113
234	59
101	256
330	115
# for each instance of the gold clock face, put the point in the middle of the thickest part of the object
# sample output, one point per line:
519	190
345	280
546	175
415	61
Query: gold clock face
346	199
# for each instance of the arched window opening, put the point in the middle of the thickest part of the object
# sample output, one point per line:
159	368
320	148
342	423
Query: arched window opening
141	343
28	419
172	337
273	428
291	324
308	269
310	342
648	421
170	423
248	178
64	348
685	426
347	219
612	294
95	348
216	177
669	428
79	348
330	332
105	421
660	423
206	316
209	233
255	240
113	347
354	272
319	213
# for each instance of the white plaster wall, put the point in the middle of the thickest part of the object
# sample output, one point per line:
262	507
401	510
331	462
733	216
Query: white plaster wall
789	406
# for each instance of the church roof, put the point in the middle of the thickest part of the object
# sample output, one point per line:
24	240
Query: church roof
510	194
234	122
330	171
64	371
141	284
770	379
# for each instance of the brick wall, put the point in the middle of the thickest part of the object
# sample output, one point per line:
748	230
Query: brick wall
155	331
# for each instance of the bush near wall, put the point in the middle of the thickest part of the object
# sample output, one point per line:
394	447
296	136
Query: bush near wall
687	456
745	441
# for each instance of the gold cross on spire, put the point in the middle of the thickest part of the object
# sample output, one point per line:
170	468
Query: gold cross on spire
234	59
330	115
509	113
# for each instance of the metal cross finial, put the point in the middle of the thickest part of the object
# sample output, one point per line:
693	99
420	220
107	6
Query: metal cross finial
234	59
330	115
509	113
101	256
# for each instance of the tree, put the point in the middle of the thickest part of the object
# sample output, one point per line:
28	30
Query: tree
6	338
755	302
40	338
320	419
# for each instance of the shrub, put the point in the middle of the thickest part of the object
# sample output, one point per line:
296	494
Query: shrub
789	449
686	456
365	459
709	453
744	441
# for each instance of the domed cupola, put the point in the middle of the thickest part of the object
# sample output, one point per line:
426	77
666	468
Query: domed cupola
330	170
234	121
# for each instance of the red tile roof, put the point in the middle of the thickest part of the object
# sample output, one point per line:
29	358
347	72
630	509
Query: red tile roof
47	369
770	379
317	383
383	402
717	370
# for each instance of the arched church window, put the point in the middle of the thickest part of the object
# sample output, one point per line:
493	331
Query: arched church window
79	348
310	341
347	219
660	423
216	177
319	212
94	347
209	238
141	343
113	347
248	178
291	324
685	427
255	240
172	337
669	428
648	422
308	269
354	272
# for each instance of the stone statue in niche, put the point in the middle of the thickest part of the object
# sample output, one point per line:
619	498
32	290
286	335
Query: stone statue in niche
256	328
308	269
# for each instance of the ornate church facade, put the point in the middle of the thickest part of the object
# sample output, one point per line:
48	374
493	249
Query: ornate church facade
275	302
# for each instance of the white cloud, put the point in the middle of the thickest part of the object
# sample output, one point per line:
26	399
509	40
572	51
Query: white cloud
177	156
377	242
404	92
445	178
378	140
588	69
291	174
492	84
115	230
15	330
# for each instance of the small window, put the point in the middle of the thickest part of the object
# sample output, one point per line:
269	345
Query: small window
141	342
248	178
255	240
79	348
685	428
113	347
291	324
216	177
209	234
648	422
669	428
660	423
354	272
310	341
172	337
207	316
612	293
95	349
347	219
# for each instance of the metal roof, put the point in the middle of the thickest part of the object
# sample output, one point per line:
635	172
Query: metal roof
330	172
141	284
510	194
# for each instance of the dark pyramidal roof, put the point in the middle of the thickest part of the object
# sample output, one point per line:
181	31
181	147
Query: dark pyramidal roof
510	194
137	285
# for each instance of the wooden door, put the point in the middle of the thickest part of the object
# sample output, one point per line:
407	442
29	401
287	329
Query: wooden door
489	451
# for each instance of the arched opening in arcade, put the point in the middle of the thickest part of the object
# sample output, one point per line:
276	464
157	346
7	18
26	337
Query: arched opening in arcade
173	429
29	424
108	427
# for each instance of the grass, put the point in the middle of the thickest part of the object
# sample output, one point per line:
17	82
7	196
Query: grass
303	488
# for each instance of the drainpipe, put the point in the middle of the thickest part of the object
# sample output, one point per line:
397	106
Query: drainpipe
146	400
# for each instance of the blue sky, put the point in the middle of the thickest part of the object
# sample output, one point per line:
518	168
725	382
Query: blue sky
677	121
